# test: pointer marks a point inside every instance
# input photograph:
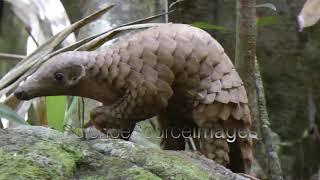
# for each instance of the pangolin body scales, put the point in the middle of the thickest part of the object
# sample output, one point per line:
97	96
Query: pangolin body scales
174	71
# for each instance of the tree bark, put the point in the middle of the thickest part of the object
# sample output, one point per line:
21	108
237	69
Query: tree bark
246	50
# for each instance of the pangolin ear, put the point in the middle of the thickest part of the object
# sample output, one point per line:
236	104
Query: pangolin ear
75	74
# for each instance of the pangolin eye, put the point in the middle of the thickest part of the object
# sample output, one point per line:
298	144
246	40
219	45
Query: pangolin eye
58	76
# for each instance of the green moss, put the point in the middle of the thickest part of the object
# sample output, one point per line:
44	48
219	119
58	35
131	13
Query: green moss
121	168
95	177
140	174
166	165
14	166
41	160
116	168
62	159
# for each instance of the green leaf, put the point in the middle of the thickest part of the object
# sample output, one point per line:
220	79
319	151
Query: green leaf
204	25
175	3
267	5
100	40
309	15
93	42
55	111
17	76
267	20
9	114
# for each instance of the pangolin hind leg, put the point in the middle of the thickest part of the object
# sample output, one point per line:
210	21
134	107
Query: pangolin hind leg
219	118
241	154
175	129
176	123
211	144
241	145
170	133
245	146
216	149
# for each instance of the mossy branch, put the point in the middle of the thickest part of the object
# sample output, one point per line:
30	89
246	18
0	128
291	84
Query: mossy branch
274	166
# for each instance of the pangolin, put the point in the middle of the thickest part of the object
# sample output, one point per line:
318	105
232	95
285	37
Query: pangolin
176	72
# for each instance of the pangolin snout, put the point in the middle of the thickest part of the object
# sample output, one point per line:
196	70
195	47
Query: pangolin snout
21	94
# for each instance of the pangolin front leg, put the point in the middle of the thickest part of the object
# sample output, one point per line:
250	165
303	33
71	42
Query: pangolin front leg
105	118
141	101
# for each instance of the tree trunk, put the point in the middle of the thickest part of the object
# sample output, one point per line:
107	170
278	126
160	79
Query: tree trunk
248	69
246	50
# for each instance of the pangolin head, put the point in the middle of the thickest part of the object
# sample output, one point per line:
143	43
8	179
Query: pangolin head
60	75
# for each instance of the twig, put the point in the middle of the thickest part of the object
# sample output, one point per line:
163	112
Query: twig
1	125
11	57
313	128
274	166
193	146
32	37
